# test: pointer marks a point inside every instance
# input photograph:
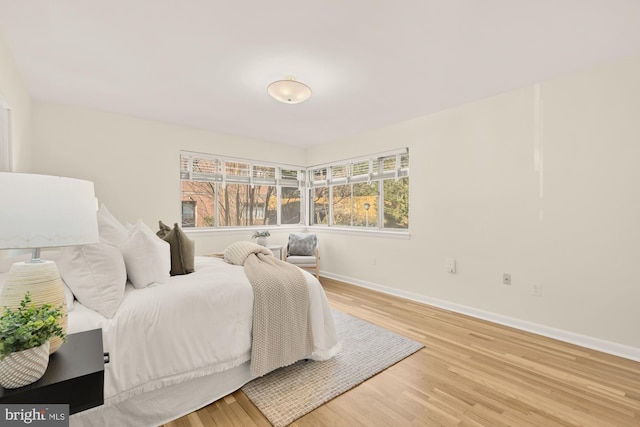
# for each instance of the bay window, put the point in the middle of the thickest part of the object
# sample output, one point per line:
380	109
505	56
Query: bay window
369	193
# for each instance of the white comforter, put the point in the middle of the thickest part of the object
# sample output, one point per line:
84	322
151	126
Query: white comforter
192	326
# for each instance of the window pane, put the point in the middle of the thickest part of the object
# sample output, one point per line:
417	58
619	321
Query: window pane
338	172
199	198
320	205
365	204
184	167
236	169
264	205
264	172
404	161
291	174
204	169
229	205
290	206
396	203
355	205
188	213
289	178
360	168
389	164
342	204
241	205
320	174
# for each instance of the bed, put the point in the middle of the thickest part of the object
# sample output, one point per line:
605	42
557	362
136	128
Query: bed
181	330
178	346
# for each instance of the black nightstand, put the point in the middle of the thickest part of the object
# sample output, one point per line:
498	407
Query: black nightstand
75	376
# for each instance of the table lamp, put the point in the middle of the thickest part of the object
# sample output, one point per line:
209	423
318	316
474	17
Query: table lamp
42	211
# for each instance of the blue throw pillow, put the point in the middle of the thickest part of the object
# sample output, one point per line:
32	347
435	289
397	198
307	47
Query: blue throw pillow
302	245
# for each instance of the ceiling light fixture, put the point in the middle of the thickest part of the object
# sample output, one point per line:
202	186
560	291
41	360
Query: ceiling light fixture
289	91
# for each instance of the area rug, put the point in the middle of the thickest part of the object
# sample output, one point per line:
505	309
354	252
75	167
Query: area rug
288	393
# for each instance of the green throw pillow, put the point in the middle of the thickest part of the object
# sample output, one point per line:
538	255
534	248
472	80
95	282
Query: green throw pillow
183	249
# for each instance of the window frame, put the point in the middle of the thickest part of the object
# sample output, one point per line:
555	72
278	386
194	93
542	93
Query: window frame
366	169
223	170
355	167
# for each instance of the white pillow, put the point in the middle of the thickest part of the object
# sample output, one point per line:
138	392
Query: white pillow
68	297
110	229
147	257
96	275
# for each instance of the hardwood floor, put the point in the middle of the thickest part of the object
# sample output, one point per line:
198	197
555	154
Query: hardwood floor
470	373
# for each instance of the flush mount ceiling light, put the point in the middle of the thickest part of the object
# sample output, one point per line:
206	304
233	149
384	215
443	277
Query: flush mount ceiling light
289	91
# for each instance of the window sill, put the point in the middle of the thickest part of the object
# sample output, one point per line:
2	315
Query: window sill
370	232
203	231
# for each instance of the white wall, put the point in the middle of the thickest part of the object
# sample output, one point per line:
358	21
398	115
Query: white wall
14	92
134	163
476	195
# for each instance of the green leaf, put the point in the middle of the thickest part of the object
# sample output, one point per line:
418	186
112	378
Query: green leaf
28	326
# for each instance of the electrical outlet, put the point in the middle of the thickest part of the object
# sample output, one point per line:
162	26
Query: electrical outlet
451	266
536	290
373	261
506	279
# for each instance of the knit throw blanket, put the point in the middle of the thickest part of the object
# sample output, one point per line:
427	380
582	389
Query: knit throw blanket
281	326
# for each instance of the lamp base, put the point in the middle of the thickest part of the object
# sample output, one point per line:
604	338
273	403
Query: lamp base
42	280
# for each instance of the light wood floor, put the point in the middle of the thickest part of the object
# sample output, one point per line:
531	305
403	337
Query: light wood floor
470	373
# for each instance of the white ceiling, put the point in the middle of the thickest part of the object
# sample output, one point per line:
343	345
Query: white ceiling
207	63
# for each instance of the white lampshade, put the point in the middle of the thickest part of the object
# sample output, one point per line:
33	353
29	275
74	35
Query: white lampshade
39	211
289	91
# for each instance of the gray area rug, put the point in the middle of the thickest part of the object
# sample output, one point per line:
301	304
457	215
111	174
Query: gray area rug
288	393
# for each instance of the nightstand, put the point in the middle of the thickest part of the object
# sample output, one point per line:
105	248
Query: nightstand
75	376
277	250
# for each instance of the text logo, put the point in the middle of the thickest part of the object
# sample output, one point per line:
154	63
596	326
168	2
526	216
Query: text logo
34	415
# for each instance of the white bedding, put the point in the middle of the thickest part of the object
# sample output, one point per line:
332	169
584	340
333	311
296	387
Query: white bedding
190	327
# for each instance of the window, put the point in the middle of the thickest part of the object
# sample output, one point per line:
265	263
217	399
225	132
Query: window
368	193
225	192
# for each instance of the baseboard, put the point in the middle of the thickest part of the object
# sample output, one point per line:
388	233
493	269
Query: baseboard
604	346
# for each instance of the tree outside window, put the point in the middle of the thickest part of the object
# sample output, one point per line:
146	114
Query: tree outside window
396	203
290	205
320	205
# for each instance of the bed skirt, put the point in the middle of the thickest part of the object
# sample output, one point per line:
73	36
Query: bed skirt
160	406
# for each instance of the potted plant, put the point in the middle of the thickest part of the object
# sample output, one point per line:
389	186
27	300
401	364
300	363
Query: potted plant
261	237
24	341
